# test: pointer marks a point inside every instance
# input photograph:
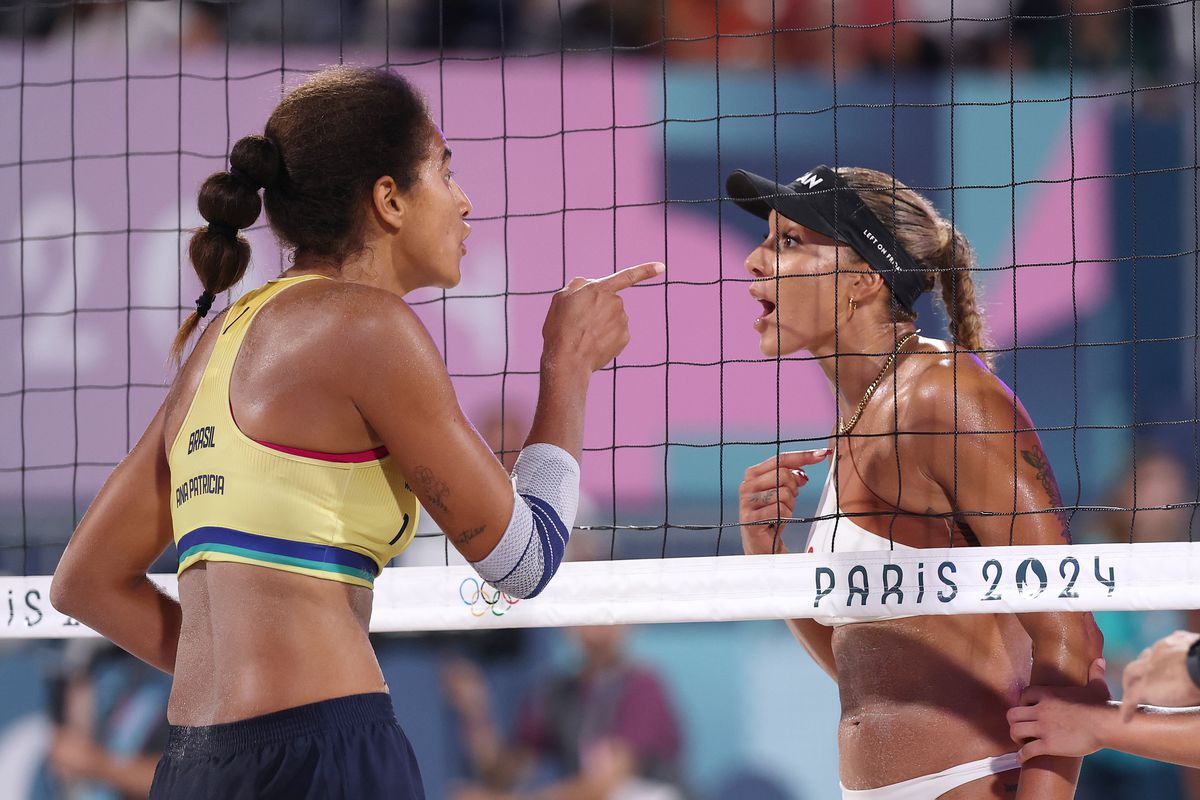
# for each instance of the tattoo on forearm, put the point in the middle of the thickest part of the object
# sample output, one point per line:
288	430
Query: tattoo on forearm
469	534
1036	458
431	489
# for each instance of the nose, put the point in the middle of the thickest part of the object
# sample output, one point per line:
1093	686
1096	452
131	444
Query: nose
757	263
464	202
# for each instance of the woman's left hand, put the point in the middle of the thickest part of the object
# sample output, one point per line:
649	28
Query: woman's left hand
1062	720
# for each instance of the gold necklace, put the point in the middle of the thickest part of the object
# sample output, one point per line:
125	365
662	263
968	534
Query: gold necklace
843	427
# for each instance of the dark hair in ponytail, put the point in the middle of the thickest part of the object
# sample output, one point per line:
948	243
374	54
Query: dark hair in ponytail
228	202
326	144
934	243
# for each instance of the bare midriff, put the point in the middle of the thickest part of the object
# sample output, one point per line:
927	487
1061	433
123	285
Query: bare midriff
923	694
256	640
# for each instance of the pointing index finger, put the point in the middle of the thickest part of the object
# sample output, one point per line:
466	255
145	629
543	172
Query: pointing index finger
629	276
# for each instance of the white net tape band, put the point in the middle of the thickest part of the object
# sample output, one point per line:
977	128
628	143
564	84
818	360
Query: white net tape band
869	585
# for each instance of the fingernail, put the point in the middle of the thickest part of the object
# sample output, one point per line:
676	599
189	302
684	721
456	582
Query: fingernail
660	268
1103	663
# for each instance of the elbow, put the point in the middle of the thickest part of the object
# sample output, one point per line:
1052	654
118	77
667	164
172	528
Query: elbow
71	591
519	590
64	597
541	554
525	593
527	584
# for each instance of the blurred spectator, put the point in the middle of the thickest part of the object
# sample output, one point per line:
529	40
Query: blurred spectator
744	27
980	41
140	27
109	713
603	23
604	730
303	21
1163	479
1097	35
531	25
988	34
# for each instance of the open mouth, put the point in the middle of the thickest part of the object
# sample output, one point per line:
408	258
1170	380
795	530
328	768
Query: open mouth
768	307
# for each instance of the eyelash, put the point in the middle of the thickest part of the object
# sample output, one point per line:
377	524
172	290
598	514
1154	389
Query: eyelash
787	237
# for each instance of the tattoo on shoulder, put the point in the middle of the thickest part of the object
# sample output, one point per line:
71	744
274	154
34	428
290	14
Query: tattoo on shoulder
469	534
1036	458
432	490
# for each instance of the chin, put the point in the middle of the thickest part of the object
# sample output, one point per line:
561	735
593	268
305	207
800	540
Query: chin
451	279
772	345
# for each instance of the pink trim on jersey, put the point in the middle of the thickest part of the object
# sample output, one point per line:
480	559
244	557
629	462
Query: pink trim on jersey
339	458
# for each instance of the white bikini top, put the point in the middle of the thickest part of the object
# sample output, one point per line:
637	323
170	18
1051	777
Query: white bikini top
832	528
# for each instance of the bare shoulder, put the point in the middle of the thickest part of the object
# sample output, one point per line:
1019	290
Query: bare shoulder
347	325
360	340
352	308
951	390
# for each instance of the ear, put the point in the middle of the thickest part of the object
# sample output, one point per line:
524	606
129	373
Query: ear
388	203
865	284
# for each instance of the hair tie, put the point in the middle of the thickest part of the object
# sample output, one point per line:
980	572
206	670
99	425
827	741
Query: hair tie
223	229
245	178
204	303
946	237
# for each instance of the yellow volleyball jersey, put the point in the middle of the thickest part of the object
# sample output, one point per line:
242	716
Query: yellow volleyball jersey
340	517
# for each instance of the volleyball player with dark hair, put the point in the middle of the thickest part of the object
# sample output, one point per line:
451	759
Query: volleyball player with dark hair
290	454
926	438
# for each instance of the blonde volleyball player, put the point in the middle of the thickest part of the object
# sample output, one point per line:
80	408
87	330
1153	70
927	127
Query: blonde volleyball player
923	698
291	452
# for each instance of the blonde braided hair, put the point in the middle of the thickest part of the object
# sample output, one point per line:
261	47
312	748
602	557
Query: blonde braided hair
934	243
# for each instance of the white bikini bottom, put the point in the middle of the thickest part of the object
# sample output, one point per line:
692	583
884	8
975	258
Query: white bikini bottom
929	787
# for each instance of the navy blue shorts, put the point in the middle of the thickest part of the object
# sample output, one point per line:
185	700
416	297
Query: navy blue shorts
349	747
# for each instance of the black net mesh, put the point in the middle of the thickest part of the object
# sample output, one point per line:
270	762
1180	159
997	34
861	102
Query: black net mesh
1060	137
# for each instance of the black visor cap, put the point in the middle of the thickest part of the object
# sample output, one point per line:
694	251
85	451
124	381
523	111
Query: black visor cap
822	201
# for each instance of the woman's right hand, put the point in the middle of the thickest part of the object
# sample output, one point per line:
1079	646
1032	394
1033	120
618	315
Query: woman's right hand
586	324
768	493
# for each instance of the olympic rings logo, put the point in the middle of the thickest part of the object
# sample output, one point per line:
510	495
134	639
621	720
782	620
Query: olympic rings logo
480	598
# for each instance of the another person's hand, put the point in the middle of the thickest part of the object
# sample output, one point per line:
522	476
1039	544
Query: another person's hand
1159	676
1061	720
768	493
465	689
607	763
74	756
586	323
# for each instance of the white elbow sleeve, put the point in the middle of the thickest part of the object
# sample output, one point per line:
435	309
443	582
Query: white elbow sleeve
545	501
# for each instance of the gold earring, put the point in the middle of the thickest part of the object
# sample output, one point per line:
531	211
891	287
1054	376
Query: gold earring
853	304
